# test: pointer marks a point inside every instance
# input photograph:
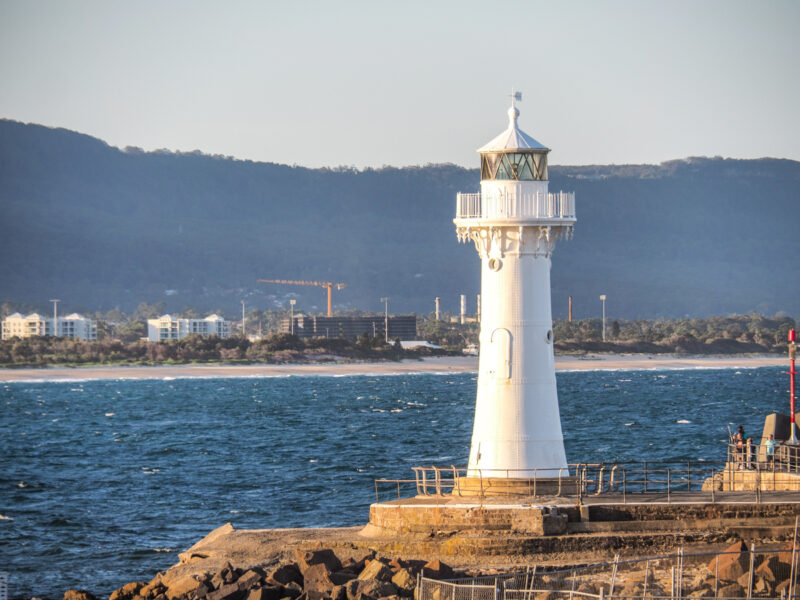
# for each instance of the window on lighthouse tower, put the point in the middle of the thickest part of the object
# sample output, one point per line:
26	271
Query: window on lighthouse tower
517	166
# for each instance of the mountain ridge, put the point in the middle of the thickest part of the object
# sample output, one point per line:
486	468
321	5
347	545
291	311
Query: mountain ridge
100	226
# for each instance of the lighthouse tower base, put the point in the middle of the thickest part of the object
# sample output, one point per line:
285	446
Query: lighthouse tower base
511	486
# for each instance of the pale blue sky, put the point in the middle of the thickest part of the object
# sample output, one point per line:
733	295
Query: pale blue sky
374	83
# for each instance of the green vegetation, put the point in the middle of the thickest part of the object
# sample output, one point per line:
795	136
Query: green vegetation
452	336
751	333
274	348
716	335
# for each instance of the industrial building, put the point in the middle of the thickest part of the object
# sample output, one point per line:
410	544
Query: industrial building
167	327
72	326
402	327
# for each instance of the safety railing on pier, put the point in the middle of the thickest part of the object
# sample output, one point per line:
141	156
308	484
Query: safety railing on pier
505	204
755	571
784	459
619	482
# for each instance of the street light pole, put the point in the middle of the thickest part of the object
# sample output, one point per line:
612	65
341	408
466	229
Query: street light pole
385	320
55	302
603	298
244	322
291	319
792	373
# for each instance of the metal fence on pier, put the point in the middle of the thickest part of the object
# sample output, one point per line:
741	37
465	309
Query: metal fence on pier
767	572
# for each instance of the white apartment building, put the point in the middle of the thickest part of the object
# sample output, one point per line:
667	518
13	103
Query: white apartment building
72	326
167	327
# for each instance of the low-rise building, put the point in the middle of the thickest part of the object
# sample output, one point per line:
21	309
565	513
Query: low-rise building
402	327
72	326
167	327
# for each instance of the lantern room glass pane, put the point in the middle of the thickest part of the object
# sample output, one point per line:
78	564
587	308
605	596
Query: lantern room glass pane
540	166
488	166
514	166
515	162
525	170
504	168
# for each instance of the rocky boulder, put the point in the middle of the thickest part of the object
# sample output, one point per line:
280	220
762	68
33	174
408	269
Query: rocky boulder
292	590
250	579
701	593
315	557
405	582
267	592
228	591
343	576
733	590
155	588
127	591
369	589
285	574
317	578
772	570
436	569
376	569
79	595
734	562
186	587
786	555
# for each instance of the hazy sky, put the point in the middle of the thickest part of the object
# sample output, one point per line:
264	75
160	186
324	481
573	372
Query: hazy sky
407	82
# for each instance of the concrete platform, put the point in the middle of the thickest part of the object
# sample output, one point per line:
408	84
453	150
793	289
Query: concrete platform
609	513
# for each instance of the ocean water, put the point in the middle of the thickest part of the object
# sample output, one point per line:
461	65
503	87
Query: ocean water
104	482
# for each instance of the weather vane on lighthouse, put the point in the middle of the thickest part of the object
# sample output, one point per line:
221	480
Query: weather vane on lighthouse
515	223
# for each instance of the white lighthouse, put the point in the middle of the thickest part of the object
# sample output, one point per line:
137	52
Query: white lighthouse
515	223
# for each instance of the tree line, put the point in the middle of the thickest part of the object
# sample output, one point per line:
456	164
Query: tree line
119	341
751	333
273	348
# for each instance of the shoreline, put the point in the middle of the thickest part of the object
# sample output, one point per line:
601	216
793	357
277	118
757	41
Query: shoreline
436	365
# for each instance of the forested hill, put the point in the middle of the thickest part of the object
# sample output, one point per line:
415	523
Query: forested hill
101	227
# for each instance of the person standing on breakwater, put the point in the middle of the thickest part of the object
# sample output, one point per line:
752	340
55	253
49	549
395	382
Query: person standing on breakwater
740	439
770	444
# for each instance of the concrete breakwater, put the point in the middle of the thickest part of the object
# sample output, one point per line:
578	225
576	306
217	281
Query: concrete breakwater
321	574
356	563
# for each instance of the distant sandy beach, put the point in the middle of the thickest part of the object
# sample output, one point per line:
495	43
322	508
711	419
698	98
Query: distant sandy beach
458	364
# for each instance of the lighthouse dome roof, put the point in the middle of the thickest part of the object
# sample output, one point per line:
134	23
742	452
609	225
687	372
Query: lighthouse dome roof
513	138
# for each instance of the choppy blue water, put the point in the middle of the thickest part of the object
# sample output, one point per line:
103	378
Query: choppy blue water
104	482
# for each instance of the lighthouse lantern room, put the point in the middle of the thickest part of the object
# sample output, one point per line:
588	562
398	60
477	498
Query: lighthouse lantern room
515	223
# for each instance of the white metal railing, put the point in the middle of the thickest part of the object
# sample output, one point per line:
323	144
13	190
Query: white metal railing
665	577
468	206
511	205
664	480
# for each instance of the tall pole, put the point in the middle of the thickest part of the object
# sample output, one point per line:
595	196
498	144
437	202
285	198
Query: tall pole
291	319
792	373
329	286
244	322
386	319
570	309
437	307
55	302
603	298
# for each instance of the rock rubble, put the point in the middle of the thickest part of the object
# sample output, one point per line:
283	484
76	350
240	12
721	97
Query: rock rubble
313	575
321	575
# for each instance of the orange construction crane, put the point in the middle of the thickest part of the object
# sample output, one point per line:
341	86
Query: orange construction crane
328	285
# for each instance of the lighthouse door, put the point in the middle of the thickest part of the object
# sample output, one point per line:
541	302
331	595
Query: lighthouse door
500	352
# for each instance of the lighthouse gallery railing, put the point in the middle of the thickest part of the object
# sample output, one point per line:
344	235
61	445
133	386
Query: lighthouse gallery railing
511	205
